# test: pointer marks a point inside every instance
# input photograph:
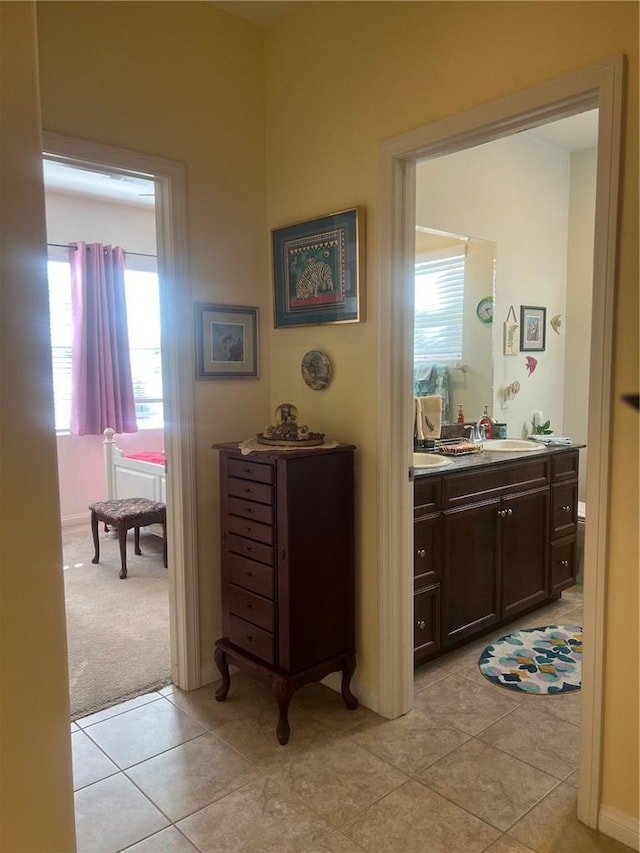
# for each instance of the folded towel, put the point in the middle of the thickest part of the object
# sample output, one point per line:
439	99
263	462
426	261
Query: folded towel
552	439
431	415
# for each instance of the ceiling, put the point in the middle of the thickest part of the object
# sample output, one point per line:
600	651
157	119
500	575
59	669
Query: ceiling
574	134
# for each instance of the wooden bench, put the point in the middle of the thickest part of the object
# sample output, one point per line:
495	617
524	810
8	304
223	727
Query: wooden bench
123	514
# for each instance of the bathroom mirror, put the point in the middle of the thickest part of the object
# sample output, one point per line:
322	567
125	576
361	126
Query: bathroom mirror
455	281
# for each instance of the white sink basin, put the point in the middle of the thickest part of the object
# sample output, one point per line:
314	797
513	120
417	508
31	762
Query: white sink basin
510	445
430	460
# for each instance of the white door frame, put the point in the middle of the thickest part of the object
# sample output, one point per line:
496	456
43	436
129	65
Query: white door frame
177	377
599	86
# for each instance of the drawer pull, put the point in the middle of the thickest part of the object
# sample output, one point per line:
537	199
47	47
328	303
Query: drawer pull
248	470
249	637
249	510
248	528
509	512
422	553
248	490
564	563
247	548
502	513
565	508
422	624
249	606
249	574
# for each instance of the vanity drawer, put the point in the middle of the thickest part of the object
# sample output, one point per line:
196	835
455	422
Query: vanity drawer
250	575
426	551
563	564
254	608
250	470
250	490
251	529
564	466
249	548
426	495
249	509
564	509
492	481
426	623
252	639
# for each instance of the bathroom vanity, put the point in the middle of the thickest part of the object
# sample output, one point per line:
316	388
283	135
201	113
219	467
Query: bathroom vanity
494	536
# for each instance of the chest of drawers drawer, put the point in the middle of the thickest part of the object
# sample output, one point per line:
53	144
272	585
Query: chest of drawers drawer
250	470
252	639
249	509
250	575
249	548
251	607
250	490
250	529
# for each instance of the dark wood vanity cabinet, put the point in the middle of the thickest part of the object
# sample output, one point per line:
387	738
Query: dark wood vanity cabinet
497	540
287	529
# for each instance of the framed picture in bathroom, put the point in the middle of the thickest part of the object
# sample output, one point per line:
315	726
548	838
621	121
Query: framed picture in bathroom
318	270
533	328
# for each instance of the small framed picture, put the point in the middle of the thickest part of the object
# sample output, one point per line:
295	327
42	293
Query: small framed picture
533	328
226	342
317	270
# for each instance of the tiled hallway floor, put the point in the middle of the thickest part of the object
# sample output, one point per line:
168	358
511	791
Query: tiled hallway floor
473	767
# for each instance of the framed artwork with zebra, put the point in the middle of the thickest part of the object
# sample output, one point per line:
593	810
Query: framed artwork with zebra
318	270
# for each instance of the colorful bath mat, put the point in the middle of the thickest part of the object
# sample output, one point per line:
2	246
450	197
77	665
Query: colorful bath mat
536	660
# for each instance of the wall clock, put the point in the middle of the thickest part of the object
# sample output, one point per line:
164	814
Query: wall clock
484	309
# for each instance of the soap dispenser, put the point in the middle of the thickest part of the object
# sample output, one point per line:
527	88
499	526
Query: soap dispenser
460	415
487	421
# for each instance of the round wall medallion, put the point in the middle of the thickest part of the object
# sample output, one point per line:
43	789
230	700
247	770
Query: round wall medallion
316	370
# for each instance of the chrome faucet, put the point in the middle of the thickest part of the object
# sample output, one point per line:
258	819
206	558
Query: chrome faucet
476	432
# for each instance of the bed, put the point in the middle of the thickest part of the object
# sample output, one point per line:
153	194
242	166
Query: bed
136	475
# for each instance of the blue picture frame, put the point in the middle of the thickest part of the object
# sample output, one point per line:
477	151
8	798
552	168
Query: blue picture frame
317	270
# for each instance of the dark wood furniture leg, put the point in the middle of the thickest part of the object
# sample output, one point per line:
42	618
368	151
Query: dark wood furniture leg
348	668
222	663
122	536
283	691
164	540
96	540
136	542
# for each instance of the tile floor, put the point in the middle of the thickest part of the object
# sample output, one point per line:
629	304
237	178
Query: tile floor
472	768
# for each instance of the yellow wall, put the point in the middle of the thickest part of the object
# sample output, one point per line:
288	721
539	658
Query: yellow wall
341	77
35	739
182	81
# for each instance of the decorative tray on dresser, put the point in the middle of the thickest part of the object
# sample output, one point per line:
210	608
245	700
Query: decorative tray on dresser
287	539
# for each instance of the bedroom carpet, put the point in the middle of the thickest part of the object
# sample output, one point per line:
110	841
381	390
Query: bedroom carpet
117	630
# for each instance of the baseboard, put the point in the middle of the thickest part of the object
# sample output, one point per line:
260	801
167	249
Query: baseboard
70	520
620	826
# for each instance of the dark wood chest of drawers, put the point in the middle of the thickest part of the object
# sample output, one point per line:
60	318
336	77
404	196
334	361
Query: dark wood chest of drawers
287	568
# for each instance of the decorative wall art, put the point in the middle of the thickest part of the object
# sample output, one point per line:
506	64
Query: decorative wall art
226	341
317	270
484	309
533	322
555	322
511	343
316	370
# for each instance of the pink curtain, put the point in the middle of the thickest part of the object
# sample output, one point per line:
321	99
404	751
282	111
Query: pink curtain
101	390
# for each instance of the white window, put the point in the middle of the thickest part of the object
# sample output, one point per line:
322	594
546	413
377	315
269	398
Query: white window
439	303
143	320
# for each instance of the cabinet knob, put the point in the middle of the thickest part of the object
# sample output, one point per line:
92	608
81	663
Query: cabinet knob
564	563
509	512
422	624
502	513
565	508
422	553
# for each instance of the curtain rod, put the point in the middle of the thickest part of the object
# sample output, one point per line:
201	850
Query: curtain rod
69	245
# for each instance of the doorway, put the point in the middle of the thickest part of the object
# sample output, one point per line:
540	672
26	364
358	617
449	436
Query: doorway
600	88
170	214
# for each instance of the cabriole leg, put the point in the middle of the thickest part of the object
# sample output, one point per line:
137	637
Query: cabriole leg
283	693
222	663
348	668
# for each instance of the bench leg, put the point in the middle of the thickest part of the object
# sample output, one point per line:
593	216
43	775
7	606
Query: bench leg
122	536
96	541
136	542
164	541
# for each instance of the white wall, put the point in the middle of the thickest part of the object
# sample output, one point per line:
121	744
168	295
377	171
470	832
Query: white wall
577	327
80	458
514	192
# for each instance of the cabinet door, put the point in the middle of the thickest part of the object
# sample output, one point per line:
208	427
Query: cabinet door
426	551
524	548
564	509
563	564
426	624
471	580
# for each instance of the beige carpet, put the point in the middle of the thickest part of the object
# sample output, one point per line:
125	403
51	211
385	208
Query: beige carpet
117	630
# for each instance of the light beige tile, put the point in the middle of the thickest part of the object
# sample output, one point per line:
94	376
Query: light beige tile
334	842
426	674
112	814
169	840
255	737
574	617
144	732
262	817
327	706
168	690
562	706
573	779
115	710
464	704
490	784
192	775
409	743
413	819
508	845
90	764
540	740
339	780
552	827
246	700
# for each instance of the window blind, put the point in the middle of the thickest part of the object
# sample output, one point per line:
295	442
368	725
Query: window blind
439	303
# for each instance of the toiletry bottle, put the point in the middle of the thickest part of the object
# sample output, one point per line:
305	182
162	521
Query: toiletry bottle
487	421
460	415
